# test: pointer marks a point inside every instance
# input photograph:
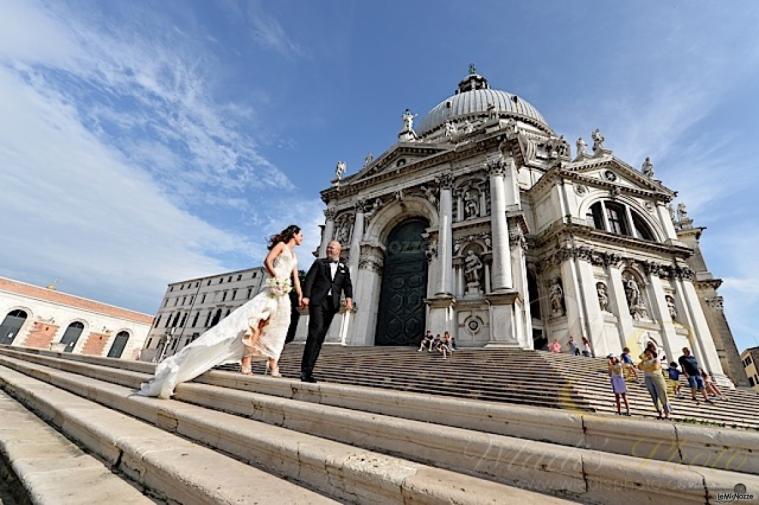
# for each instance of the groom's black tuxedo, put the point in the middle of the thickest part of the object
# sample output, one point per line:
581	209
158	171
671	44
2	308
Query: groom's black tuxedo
323	292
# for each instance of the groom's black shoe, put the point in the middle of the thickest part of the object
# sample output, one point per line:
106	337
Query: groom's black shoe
308	378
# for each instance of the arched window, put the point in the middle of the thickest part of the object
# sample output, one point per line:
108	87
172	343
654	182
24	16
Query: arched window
615	217
595	216
12	323
71	335
641	227
118	344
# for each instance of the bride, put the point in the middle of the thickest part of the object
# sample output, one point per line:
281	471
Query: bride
257	328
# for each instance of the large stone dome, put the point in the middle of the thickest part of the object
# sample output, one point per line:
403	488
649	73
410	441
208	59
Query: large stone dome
472	100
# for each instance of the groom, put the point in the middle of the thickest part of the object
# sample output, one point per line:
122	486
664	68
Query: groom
325	281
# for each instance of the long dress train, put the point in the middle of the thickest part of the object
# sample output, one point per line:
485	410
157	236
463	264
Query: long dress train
224	342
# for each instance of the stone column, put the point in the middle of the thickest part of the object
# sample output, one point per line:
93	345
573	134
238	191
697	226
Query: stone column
666	220
366	291
445	236
704	348
619	301
595	322
661	312
329	230
519	271
501	271
358	236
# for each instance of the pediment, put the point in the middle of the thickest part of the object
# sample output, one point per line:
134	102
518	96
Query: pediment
614	171
398	156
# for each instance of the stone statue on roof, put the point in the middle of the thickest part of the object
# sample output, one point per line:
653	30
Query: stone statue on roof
472	69
647	168
340	170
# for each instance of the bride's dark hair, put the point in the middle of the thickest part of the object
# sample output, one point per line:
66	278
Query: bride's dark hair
284	236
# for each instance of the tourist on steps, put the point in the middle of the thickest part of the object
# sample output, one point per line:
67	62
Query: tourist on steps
628	363
426	342
654	381
618	386
448	340
445	345
554	346
586	349
673	379
711	387
573	350
692	372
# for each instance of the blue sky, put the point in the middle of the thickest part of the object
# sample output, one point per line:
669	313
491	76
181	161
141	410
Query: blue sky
148	142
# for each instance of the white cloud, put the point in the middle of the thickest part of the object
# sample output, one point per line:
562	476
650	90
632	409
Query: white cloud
78	211
109	141
269	33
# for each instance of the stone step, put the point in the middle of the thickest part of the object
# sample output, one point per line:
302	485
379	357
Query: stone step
561	469
166	466
45	468
347	473
679	442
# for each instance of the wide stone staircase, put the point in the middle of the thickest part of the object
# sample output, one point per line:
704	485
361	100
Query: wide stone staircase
512	375
382	426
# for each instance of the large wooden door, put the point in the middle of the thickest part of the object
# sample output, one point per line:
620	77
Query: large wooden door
401	316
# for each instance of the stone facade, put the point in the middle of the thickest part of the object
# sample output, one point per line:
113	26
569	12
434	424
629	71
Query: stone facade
34	316
524	243
192	306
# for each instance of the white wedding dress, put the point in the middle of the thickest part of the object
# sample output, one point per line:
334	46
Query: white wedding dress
224	342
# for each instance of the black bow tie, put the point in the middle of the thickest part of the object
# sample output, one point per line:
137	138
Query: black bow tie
334	261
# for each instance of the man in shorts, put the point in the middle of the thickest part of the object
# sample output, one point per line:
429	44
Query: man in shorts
689	366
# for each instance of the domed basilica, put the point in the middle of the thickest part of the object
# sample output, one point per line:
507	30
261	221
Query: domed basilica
480	221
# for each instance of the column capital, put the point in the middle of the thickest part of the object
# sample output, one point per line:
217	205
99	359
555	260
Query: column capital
361	205
330	213
445	181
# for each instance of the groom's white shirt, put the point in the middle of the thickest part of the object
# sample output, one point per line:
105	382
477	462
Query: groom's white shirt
333	271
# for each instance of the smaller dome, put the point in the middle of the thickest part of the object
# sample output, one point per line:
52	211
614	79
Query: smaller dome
472	99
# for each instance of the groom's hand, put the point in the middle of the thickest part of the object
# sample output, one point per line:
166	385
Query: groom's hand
348	304
304	302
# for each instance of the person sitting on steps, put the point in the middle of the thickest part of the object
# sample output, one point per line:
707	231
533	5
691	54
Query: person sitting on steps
426	341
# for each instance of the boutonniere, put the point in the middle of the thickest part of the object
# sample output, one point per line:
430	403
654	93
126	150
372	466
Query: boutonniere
341	265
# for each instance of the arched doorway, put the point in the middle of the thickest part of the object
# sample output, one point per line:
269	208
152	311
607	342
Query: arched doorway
71	335
401	316
12	323
118	344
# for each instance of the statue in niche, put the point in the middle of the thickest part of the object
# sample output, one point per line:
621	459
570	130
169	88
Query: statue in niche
471	204
672	307
556	297
340	170
342	234
634	301
582	149
472	272
603	296
647	168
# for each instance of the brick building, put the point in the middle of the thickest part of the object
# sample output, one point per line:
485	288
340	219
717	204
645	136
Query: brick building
34	316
